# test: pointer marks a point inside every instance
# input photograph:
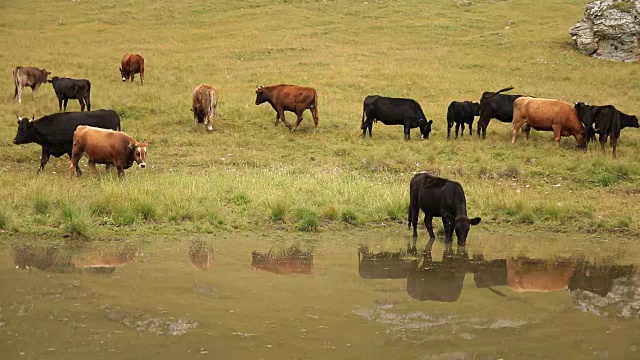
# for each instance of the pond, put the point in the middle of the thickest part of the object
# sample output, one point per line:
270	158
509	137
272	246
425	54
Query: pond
333	295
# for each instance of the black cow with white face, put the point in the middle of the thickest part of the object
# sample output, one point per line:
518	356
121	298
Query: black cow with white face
438	197
495	105
55	132
460	113
67	88
395	111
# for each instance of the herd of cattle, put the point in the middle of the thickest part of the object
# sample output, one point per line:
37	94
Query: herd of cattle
98	136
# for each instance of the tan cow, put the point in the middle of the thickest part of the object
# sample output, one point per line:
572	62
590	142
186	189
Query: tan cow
536	275
204	103
130	65
546	115
28	76
109	147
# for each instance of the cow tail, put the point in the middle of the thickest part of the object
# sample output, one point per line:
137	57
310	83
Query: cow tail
315	100
499	91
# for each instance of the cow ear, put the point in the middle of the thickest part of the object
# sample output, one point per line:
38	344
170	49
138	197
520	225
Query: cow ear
449	218
48	72
475	221
430	122
18	119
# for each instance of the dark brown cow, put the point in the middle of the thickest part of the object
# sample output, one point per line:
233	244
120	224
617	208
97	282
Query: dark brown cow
28	76
109	147
295	99
132	64
204	103
548	115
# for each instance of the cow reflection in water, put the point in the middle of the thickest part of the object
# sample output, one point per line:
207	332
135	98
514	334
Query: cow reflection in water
60	260
289	261
524	274
200	255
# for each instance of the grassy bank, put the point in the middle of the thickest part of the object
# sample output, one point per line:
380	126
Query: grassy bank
250	175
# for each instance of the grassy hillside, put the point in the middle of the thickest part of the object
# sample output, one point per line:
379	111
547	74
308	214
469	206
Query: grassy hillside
248	174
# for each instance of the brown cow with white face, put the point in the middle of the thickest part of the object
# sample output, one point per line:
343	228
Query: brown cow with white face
292	98
108	147
28	76
204	103
130	65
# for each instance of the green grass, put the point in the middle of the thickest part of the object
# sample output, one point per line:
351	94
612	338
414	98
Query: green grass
308	220
249	175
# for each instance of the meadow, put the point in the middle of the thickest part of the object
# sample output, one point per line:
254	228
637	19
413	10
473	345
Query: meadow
249	175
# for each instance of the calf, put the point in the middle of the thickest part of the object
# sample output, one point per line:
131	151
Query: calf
495	105
394	111
546	115
438	197
108	147
66	89
130	65
606	121
28	76
292	98
204	103
461	113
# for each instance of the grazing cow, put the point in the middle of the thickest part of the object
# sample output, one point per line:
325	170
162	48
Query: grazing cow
438	197
461	113
66	89
108	147
204	103
28	76
524	274
439	281
606	121
295	99
546	115
132	64
394	111
55	132
495	105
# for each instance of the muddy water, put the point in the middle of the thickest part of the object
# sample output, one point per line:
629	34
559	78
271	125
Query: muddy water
338	296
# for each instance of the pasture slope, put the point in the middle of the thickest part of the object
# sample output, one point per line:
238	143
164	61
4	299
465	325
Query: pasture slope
249	175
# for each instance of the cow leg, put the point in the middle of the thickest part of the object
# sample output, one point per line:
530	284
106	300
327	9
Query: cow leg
407	133
59	103
449	126
514	131
428	223
284	120
462	132
81	102
120	171
34	91
614	143
277	118
142	76
209	123
458	129
470	129
65	101
448	231
87	101
603	141
73	164
298	121
526	130
92	166
44	158
314	113
414	211
557	132
20	88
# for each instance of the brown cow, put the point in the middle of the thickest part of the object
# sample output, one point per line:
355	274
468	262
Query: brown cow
548	115
295	99
524	274
292	261
109	147
28	76
132	64
200	255
204	103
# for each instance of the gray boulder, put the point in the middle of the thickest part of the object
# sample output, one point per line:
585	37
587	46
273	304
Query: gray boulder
609	30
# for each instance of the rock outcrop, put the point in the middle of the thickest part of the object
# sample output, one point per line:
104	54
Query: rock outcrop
609	30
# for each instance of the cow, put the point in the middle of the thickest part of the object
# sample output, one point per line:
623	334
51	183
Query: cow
524	274
439	281
28	76
495	105
546	115
292	98
461	113
438	197
67	88
130	65
55	132
109	147
292	261
204	103
61	260
606	121
394	111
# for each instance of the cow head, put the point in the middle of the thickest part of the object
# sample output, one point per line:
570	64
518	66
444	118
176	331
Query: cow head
425	128
53	80
260	95
475	107
632	121
44	74
26	134
123	74
461	226
140	153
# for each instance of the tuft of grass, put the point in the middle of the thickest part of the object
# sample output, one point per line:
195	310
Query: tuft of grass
146	210
278	211
349	216
308	220
330	213
41	204
526	218
73	221
240	199
396	210
4	220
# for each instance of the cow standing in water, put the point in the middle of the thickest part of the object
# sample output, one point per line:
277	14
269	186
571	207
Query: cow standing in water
204	103
438	197
28	76
106	147
130	65
546	115
292	98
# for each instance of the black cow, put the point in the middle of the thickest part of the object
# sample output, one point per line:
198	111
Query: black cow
439	281
438	197
395	111
55	132
66	89
495	105
461	113
606	121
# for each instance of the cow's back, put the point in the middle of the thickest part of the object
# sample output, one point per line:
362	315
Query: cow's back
436	195
392	111
542	114
59	128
